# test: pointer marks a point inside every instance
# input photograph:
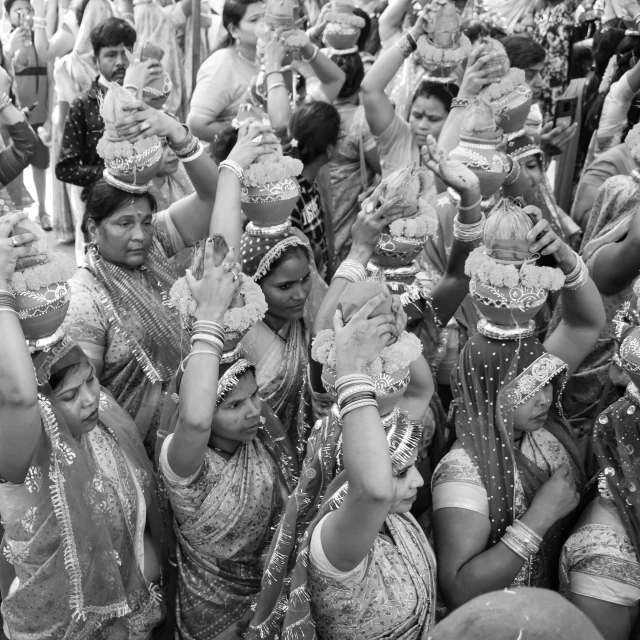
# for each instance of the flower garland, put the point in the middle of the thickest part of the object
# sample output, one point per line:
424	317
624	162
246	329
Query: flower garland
391	359
336	28
422	225
295	40
484	268
237	320
430	55
265	171
633	142
115	149
508	83
346	19
58	268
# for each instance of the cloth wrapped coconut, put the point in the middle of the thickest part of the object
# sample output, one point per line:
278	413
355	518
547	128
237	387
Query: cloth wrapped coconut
280	13
157	91
130	166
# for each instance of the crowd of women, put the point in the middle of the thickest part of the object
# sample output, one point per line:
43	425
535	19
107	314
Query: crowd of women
353	346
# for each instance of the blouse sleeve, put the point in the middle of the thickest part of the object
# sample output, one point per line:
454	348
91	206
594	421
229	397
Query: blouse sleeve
214	88
166	233
614	110
86	320
456	483
395	145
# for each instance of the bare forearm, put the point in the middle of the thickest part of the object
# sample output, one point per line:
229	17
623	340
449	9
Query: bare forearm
383	71
203	174
206	131
450	135
328	72
226	218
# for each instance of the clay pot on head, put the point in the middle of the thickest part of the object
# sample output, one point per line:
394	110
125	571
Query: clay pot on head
507	306
512	110
484	158
42	312
271	203
396	251
338	36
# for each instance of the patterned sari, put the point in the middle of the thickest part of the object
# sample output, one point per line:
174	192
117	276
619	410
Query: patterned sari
79	528
225	516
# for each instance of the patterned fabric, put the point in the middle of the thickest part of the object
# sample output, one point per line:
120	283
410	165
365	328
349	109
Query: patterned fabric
74	556
308	216
79	162
224	518
613	210
112	332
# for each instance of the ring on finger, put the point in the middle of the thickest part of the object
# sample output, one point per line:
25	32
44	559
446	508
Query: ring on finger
227	266
14	242
235	277
144	126
258	139
369	207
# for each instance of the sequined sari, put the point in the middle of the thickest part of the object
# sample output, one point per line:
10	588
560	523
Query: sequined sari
225	515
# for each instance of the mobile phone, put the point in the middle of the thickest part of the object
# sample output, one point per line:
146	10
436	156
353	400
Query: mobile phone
565	111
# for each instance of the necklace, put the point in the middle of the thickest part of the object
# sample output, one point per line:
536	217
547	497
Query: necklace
253	63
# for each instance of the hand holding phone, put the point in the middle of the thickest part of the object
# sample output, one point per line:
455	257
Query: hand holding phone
565	112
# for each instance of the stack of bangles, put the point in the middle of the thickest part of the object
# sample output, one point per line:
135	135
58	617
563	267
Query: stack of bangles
636	21
233	166
8	301
212	334
578	276
406	45
351	270
40	23
522	540
468	232
189	149
355	391
513	175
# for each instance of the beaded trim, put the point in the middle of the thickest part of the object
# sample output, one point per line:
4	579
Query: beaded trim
43	344
230	378
125	186
274	230
536	376
274	253
499	332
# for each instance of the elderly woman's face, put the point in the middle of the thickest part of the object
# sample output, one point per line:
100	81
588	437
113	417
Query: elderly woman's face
125	237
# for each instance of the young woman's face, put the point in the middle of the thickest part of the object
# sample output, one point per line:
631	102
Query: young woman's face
125	237
170	162
531	168
237	418
286	288
427	117
531	415
245	32
78	396
406	483
533	77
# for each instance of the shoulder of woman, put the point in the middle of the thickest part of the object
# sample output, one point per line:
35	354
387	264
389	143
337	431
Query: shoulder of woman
456	466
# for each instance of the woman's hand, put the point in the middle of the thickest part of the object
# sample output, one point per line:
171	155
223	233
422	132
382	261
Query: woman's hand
453	173
555	499
254	139
215	291
274	53
479	66
401	316
360	341
372	219
546	242
144	121
554	140
13	248
142	73
420	27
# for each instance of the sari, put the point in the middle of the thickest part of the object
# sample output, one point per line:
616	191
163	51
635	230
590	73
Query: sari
281	357
600	559
611	216
224	518
487	471
78	529
120	317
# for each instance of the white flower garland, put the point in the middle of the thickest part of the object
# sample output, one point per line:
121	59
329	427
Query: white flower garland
346	19
392	358
423	225
58	268
236	319
508	83
484	268
266	171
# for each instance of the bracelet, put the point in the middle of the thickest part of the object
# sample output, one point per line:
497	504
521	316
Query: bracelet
270	73
352	378
351	270
460	102
468	232
578	276
182	147
210	328
195	155
473	206
195	353
8	309
405	46
358	391
515	545
130	86
276	84
522	540
185	150
411	40
357	405
313	56
5	101
233	166
528	532
514	169
210	340
8	301
40	23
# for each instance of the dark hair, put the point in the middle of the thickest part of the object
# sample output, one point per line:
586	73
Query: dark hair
523	52
353	68
475	29
112	33
232	13
605	45
103	200
365	31
8	4
444	92
288	253
316	126
80	9
58	377
223	143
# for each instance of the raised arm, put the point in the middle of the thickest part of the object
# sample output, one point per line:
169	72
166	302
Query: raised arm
390	21
213	295
56	46
331	77
349	532
20	425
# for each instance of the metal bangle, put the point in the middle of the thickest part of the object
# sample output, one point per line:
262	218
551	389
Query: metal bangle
313	56
276	84
473	206
233	166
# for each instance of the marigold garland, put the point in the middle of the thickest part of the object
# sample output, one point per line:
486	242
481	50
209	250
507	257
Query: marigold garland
423	225
114	149
58	268
269	170
508	83
346	19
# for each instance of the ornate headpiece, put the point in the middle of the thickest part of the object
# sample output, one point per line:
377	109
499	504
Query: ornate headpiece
229	379
536	376
403	436
520	145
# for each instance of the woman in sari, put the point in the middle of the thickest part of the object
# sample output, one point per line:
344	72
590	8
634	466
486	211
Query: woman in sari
228	469
83	530
504	495
364	567
118	312
600	571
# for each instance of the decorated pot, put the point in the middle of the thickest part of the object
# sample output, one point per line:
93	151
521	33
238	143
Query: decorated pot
137	163
485	159
512	109
339	36
396	251
271	203
42	312
507	306
629	353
